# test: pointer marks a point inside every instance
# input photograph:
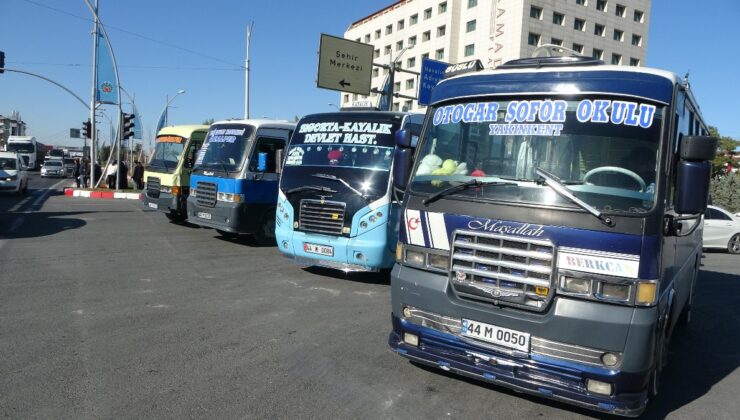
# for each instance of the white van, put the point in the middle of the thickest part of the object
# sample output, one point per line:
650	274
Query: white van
13	176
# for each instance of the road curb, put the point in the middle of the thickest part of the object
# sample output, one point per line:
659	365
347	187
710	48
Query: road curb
104	195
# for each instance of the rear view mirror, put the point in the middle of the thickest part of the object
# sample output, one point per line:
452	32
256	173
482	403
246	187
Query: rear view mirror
402	162
698	148
403	138
694	171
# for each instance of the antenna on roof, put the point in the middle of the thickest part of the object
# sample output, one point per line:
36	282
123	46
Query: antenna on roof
686	78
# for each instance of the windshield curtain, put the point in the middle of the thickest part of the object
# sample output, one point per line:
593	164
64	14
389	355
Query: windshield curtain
8	163
167	152
20	147
604	149
225	147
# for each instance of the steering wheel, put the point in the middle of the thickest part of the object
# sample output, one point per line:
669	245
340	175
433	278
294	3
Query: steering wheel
619	170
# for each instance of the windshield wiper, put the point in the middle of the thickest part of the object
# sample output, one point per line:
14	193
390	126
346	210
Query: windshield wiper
464	186
310	187
340	180
554	182
166	167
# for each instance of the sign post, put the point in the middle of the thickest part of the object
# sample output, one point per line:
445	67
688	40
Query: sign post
432	71
344	65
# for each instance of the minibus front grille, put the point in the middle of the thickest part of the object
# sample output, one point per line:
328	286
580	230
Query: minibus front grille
152	187
206	194
502	270
321	216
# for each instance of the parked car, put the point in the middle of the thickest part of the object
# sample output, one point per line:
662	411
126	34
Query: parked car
13	176
69	167
52	167
721	230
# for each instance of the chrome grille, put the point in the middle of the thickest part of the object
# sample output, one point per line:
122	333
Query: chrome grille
152	187
321	216
502	270
206	193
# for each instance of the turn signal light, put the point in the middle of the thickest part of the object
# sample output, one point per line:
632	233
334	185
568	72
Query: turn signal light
175	190
646	293
399	252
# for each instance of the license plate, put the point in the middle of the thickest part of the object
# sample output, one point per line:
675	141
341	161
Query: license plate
503	337
154	205
203	215
318	249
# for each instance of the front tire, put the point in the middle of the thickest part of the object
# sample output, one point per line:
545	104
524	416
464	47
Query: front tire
265	235
733	246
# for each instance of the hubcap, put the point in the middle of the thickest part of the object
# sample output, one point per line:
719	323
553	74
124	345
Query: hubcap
735	243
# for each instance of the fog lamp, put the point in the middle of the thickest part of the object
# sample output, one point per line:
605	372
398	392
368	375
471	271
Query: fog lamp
295	225
373	219
411	339
598	387
406	312
363	224
610	359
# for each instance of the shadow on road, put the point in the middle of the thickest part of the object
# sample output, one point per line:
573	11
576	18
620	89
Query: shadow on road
39	224
700	355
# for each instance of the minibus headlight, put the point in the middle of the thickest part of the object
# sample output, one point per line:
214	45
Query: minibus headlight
576	285
193	192
614	291
647	293
438	261
229	197
415	257
165	189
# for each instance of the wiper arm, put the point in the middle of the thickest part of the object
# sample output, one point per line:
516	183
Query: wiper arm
340	180
310	187
554	182
464	186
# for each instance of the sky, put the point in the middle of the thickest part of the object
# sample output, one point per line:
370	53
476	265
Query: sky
164	46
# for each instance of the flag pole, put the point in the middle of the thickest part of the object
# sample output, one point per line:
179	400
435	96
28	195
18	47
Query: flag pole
246	72
93	97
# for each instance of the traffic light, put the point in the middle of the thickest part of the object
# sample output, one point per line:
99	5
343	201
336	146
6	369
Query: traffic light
86	129
128	126
2	62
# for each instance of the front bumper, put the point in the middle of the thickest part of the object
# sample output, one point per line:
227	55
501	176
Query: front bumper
366	252
166	203
536	372
57	174
224	216
10	185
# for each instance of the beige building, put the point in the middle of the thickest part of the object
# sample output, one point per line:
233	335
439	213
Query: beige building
495	31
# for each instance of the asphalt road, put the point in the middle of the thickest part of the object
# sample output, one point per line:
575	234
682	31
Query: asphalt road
109	311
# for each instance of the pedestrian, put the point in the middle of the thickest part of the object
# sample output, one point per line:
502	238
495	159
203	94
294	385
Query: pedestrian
138	175
78	181
84	172
122	175
98	171
110	175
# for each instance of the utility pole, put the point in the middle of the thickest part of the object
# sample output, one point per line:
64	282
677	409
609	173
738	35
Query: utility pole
93	99
246	72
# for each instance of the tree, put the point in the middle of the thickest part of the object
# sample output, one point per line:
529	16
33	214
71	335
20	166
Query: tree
725	148
725	192
208	121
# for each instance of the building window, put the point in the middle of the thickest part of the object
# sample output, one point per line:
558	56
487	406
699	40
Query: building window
377	34
439	54
399	45
616	59
387	50
469	50
442	7
367	38
389	29
441	31
346	98
558	18
397	86
582	2
636	40
395	106
555	41
426	36
414	19
634	62
376	53
535	12
358	40
470	26
638	16
412	41
425	55
619	10
411	62
599	30
428	13
598	54
578	48
401	23
579	24
618	35
472	3
409	83
376	72
601	5
407	104
533	39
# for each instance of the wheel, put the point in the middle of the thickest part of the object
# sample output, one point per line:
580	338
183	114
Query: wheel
265	234
661	352
733	246
176	217
618	170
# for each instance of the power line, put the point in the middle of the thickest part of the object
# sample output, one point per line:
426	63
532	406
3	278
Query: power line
126	31
133	66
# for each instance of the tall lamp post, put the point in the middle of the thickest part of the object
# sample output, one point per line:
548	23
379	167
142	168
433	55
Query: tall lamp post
163	118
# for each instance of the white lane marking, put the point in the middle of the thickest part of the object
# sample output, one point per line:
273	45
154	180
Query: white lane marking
159	305
46	193
78	312
20	204
333	292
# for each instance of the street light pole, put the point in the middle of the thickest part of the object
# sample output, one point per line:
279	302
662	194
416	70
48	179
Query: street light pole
164	116
93	97
246	72
335	106
392	76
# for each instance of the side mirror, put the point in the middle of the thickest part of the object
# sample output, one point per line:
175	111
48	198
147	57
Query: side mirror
694	171
404	138
261	162
279	161
402	163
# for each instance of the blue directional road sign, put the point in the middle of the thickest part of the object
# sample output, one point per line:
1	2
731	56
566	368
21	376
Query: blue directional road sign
432	71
